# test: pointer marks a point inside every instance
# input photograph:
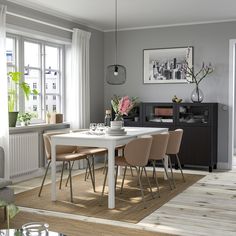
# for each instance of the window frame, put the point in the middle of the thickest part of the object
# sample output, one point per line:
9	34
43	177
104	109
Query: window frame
20	66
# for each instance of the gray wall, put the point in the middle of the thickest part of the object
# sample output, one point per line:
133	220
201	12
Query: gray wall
211	44
96	49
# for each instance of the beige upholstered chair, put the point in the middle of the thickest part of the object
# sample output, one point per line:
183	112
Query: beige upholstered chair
136	154
173	147
65	154
158	152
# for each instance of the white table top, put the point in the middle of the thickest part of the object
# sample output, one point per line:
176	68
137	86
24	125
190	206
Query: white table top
131	132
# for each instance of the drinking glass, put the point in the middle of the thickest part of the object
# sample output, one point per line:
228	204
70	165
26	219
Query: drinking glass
92	127
100	127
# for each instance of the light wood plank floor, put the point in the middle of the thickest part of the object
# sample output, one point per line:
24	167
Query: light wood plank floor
206	208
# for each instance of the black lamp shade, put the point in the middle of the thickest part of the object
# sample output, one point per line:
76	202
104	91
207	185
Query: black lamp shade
116	74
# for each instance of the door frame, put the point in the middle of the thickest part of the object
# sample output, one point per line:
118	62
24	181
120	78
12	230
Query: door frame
231	102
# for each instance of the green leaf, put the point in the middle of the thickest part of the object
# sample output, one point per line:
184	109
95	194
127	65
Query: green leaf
12	210
3	203
26	89
35	92
15	76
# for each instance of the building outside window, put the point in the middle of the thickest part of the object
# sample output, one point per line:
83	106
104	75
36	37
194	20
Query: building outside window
42	67
54	108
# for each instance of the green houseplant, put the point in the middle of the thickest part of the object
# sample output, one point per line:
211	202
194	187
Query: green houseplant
11	210
25	118
15	79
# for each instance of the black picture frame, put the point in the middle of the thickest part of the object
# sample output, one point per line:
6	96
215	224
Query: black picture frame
165	65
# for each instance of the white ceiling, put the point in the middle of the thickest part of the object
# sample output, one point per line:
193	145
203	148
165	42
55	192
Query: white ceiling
137	13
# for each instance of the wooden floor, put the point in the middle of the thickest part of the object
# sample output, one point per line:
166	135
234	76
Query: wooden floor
78	228
206	208
129	205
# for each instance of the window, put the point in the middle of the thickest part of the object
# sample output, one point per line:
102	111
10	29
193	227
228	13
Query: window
41	63
34	85
54	108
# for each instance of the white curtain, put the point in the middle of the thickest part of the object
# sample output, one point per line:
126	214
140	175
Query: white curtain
78	89
4	128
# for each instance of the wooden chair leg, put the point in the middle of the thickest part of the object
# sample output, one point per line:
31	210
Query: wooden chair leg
149	184
121	190
41	188
155	177
167	174
172	175
180	167
62	170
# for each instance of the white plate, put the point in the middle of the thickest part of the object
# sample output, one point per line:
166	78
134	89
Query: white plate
116	134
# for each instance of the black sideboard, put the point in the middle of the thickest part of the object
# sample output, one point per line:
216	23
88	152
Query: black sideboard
198	120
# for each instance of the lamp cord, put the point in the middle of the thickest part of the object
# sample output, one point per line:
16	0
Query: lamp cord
116	32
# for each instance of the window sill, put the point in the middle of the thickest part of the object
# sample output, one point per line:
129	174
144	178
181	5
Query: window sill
38	127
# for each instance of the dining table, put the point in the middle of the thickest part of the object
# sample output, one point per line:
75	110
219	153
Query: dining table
104	140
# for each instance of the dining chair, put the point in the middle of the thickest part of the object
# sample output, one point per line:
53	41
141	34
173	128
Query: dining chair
173	147
158	152
136	154
63	154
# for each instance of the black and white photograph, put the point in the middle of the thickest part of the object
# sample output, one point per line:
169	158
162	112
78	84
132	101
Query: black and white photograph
167	65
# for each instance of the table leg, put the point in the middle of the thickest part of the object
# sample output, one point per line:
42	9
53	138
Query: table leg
166	164
111	177
53	172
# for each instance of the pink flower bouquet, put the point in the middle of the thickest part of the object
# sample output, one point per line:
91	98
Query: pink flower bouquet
123	105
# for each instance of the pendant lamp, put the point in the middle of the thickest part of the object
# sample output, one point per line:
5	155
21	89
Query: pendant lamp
116	74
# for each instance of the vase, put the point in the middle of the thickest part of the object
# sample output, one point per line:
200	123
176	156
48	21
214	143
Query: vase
13	118
118	117
197	95
118	122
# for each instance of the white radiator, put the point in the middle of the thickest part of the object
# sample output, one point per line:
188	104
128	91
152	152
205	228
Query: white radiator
24	153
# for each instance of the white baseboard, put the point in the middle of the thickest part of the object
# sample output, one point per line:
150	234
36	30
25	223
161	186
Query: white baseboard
223	166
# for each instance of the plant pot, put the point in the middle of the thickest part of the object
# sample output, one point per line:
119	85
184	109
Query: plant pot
13	118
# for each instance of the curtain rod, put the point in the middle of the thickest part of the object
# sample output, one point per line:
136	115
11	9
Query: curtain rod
39	21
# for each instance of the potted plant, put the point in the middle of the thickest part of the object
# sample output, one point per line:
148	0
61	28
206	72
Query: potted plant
15	82
25	118
11	211
197	77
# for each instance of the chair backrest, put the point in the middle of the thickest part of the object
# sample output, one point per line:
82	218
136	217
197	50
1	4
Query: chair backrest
174	142
159	146
61	149
137	151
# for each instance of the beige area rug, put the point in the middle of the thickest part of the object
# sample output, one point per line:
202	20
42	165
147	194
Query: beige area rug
129	205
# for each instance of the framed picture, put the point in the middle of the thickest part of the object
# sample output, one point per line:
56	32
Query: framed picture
166	65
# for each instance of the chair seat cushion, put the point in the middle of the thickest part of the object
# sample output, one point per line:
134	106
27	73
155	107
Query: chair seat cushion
120	161
4	182
91	150
70	156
